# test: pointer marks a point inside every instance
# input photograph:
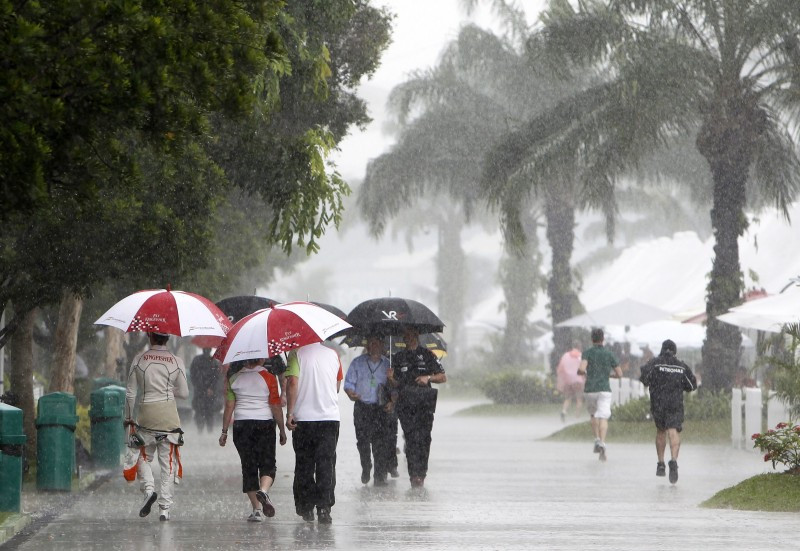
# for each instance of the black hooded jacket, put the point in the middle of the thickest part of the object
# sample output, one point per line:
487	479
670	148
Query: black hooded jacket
668	378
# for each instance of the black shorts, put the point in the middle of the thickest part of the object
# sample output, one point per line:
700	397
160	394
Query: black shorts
668	420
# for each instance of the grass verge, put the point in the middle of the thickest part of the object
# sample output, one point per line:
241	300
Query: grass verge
714	431
514	410
773	492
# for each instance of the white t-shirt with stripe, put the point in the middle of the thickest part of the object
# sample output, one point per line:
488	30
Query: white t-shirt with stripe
253	389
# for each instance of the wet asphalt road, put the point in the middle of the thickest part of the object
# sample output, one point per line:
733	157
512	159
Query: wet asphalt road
491	485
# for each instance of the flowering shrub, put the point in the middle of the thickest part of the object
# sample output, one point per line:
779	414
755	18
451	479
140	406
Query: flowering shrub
781	445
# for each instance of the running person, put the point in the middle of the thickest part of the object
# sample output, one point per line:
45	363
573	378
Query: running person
253	403
668	378
598	364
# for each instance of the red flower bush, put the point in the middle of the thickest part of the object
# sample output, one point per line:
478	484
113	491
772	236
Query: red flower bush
782	445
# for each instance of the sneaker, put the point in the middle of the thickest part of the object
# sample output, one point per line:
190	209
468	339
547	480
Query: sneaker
597	446
149	499
394	474
602	451
324	515
661	469
365	476
256	516
673	471
563	417
266	504
164	516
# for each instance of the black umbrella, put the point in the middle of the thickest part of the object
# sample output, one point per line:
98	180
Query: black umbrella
238	307
391	315
432	341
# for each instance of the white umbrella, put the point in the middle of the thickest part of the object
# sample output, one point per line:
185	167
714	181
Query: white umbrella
282	328
625	312
167	311
767	314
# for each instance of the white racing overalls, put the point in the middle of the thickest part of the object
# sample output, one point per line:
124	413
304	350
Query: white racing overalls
158	377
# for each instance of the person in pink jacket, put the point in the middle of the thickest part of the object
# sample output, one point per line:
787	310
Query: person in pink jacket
568	382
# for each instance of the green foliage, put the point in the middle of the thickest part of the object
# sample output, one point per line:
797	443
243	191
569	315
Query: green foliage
780	445
714	431
510	387
784	366
83	430
697	406
766	492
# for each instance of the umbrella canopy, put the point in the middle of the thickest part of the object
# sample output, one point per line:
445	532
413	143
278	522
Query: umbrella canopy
167	311
240	306
391	315
624	312
432	341
747	320
336	312
284	327
767	314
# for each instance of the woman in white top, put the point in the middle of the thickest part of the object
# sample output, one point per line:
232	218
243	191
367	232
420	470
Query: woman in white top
253	403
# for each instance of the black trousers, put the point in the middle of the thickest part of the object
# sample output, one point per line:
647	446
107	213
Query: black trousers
206	417
417	426
255	441
314	444
374	437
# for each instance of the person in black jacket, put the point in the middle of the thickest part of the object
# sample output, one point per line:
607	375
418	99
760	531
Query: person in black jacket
668	378
412	372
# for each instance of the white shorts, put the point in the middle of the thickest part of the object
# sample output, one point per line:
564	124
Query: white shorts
598	404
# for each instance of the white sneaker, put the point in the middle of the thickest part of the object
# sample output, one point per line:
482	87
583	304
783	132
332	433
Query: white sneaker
256	516
164	516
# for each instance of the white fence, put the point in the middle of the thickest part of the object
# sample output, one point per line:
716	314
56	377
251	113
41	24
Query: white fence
747	416
625	389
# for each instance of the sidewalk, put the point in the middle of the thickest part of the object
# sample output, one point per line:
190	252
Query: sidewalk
492	484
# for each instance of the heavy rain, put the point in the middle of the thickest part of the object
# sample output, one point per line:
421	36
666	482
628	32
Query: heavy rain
374	274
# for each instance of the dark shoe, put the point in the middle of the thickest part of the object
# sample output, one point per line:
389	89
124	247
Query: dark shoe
661	469
365	476
563	416
417	481
597	446
324	515
380	481
308	515
266	504
673	471
393	473
148	503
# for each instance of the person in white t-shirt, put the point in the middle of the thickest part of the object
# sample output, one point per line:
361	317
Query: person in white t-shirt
253	403
313	380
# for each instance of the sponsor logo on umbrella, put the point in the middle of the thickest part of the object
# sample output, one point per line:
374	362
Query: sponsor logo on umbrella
288	335
390	315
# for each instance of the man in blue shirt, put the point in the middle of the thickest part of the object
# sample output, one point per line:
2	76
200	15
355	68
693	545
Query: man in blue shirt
363	384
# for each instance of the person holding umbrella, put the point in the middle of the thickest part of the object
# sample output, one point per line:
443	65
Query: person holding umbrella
253	404
412	372
363	384
158	377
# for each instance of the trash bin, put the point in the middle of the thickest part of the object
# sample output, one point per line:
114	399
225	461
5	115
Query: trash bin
12	439
55	446
107	407
100	382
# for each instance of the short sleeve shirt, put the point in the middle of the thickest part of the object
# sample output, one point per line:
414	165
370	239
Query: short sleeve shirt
410	364
254	390
600	363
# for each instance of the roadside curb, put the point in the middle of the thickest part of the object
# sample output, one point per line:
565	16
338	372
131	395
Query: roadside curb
17	522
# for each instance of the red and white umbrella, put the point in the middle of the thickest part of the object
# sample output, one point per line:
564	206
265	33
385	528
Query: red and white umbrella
279	329
169	312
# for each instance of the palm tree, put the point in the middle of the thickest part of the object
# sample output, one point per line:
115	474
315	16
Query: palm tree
448	116
727	71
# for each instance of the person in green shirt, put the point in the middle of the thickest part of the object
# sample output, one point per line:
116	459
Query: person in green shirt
598	364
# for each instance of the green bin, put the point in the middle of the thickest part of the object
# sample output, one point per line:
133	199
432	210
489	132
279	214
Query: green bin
55	446
107	407
100	382
12	439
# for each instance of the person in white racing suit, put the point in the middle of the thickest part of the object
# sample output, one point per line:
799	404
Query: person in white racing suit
158	377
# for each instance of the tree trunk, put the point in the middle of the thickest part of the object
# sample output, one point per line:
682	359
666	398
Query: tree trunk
519	278
560	218
115	352
451	279
20	355
726	143
62	375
